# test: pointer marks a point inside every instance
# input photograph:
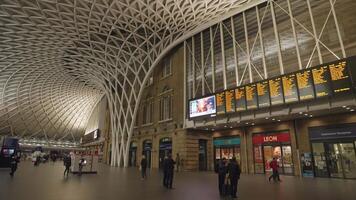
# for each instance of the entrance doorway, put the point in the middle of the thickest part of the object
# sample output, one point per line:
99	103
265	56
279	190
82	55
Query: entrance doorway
335	159
165	149
283	153
133	154
202	155
147	151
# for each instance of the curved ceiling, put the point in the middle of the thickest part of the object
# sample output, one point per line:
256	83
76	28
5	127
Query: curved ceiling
59	57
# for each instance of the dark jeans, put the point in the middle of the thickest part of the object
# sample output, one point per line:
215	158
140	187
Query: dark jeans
170	179
275	176
165	178
234	181
143	173
221	183
66	171
13	169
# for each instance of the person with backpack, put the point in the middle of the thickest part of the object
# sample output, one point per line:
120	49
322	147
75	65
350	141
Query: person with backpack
234	171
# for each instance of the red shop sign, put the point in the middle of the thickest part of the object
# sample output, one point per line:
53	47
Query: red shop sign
264	138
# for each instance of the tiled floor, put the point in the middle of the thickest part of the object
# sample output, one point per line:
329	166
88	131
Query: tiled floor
46	182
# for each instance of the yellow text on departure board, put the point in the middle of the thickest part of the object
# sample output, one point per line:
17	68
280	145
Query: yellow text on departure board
303	79
229	95
261	88
319	75
274	86
288	84
338	71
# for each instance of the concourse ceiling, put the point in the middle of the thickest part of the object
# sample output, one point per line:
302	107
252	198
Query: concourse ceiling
58	58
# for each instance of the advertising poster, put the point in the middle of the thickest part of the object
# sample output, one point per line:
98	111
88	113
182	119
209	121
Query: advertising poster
203	106
307	164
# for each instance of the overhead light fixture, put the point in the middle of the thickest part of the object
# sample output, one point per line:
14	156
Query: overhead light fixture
230	126
273	119
347	108
213	129
306	114
344	106
225	126
279	120
266	118
253	124
301	113
352	110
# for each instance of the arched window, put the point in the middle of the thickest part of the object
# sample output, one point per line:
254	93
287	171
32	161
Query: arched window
165	102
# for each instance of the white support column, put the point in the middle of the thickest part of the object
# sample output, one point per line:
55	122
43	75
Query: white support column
261	43
337	28
294	35
223	54
314	33
202	64
184	83
212	57
281	68
247	48
193	66
235	52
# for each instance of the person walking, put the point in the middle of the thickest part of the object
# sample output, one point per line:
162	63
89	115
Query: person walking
13	164
81	164
275	174
168	170
234	171
67	163
221	170
143	167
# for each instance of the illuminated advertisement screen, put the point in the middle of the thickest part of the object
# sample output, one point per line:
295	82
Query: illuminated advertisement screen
290	89
321	78
220	103
240	100
340	77
230	101
263	94
202	106
305	85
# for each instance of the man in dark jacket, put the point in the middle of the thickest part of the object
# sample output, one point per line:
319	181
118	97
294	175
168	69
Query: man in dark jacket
234	175
67	163
221	169
143	167
168	171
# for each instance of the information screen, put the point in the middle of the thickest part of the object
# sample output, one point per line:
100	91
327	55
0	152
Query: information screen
220	103
240	100
276	91
321	78
230	101
305	85
263	94
251	96
340	77
202	106
290	89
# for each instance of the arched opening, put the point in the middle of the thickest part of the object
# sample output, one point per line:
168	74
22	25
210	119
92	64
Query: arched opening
133	154
165	148
147	151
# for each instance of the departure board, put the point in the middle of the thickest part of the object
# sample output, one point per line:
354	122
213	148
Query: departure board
321	78
290	90
263	94
220	103
251	96
230	101
276	91
305	85
340	77
240	100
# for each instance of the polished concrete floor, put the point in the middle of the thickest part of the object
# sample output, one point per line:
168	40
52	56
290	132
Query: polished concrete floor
46	182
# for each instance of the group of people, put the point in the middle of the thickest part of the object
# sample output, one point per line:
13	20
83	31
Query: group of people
168	169
228	176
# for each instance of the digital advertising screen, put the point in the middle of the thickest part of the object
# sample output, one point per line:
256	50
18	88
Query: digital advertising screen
230	101
305	85
321	78
240	99
276	91
340	77
201	107
251	96
220	103
263	94
290	90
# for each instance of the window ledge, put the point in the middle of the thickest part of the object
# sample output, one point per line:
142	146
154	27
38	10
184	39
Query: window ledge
165	120
148	124
168	75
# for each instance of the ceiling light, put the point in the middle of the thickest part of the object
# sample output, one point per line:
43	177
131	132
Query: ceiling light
225	126
213	129
347	108
301	113
253	124
266	118
230	126
273	119
344	106
279	120
352	110
306	114
310	115
246	123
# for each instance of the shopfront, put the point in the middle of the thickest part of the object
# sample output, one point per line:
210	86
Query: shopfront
227	147
147	151
272	145
333	150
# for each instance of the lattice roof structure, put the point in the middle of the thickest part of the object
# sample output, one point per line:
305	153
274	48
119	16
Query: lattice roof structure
59	57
